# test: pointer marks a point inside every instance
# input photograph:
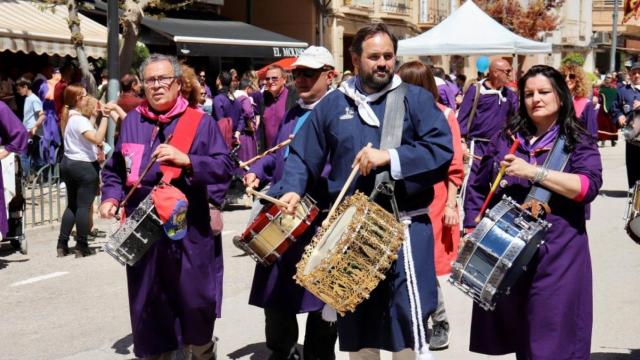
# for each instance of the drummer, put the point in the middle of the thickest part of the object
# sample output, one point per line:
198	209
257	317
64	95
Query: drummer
175	290
548	314
342	125
13	139
273	287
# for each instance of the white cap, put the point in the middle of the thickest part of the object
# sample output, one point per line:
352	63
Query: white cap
315	57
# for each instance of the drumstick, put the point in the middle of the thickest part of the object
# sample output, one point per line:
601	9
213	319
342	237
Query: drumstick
342	192
143	174
270	151
280	203
494	186
607	133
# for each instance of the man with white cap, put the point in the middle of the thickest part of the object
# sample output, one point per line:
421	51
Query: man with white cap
273	287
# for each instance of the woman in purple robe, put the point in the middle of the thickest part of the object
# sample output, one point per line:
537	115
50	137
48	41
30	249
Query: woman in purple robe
245	131
175	289
548	314
13	139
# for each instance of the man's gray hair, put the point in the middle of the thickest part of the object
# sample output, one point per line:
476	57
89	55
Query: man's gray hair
177	68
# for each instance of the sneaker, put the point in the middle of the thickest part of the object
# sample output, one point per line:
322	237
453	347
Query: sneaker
439	336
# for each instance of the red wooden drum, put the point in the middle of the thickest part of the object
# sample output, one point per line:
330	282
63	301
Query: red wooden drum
272	232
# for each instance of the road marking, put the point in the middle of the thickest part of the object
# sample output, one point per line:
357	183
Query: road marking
40	278
227	232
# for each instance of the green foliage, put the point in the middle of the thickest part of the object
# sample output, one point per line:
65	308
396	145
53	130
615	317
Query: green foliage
139	55
573	58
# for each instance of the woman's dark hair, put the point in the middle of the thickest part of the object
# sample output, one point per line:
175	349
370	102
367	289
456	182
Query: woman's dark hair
128	81
417	73
567	120
369	31
225	79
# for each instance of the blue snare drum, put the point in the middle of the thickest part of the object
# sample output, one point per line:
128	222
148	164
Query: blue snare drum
496	253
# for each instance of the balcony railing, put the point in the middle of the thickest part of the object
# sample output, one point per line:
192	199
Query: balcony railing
360	3
397	7
607	4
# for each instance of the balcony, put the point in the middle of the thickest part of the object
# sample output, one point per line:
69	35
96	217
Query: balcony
401	7
602	17
359	3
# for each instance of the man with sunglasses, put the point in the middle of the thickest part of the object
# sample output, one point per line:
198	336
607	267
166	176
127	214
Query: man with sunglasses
484	111
273	287
278	99
175	289
625	108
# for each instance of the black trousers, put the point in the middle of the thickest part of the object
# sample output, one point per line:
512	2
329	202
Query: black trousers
281	330
632	159
81	179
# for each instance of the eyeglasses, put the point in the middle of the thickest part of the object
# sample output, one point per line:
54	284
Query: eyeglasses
272	78
306	73
506	71
163	81
571	76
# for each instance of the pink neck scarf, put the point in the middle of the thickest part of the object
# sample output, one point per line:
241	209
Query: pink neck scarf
177	109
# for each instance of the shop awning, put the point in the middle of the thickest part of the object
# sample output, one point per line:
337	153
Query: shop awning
27	28
224	38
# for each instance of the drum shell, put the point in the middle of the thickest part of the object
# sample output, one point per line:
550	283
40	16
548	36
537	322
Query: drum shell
632	226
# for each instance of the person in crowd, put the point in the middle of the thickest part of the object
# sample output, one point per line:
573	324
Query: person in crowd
461	80
447	90
274	288
626	104
202	79
578	86
79	168
33	118
66	77
342	124
45	73
226	108
130	88
235	80
443	210
485	109
13	139
258	99
245	130
175	289
278	99
548	312
51	140
606	124
191	88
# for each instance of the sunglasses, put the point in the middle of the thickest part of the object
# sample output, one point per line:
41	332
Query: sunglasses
506	71
571	76
305	73
272	78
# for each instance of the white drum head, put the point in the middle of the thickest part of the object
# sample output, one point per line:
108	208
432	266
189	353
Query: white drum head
330	239
634	226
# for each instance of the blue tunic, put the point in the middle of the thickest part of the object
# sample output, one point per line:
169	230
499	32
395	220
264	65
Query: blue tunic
175	290
623	105
548	314
334	126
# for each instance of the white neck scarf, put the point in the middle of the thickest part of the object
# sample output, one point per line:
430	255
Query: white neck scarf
312	105
240	93
362	100
485	91
439	81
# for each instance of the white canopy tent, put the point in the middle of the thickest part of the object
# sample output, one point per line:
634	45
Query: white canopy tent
470	31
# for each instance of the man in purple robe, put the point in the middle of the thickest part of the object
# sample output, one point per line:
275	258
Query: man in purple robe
13	139
273	287
447	90
278	99
175	290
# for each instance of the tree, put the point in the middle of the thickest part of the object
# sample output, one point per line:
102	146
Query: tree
530	22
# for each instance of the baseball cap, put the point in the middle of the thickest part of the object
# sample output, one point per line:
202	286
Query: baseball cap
315	57
171	206
635	66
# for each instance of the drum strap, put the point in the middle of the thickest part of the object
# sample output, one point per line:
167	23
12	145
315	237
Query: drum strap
182	139
390	139
556	160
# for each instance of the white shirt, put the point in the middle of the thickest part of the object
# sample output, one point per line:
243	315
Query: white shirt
76	146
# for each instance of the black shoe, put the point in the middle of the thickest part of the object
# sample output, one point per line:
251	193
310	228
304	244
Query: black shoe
439	336
613	143
62	251
83	251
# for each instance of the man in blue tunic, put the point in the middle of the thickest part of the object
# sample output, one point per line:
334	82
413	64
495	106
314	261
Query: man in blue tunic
273	287
342	125
626	103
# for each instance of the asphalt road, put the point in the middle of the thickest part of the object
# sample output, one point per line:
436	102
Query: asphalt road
70	308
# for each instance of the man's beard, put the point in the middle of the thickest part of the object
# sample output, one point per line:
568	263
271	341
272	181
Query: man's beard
374	82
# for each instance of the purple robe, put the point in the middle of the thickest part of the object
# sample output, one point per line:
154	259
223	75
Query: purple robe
273	286
548	314
13	137
447	92
175	290
51	138
246	126
334	127
224	107
589	119
273	113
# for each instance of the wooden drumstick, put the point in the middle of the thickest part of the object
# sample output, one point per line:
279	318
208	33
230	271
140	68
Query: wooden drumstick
269	151
280	203
494	186
346	185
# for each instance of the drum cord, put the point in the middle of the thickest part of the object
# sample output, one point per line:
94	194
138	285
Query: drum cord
419	336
